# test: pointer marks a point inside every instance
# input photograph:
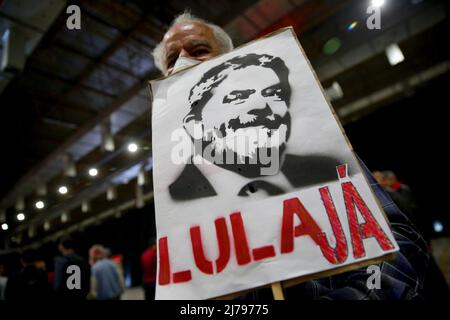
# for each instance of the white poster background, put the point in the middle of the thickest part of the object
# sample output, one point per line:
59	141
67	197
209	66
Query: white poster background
314	130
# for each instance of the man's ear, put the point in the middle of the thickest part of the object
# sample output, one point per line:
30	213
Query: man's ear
193	127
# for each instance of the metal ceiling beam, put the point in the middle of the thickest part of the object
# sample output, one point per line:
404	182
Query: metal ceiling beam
308	15
21	22
350	112
87	193
82	54
117	11
46	14
58	78
52	99
26	182
397	32
154	32
100	185
27	179
108	53
83	223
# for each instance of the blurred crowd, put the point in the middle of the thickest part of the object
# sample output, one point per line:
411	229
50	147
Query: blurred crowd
402	195
100	277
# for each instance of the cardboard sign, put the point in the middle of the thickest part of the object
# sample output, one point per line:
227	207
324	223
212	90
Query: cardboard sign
254	181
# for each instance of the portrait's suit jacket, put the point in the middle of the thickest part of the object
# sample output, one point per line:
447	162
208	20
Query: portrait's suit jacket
301	171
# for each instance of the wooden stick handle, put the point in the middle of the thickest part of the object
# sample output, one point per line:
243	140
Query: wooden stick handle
277	291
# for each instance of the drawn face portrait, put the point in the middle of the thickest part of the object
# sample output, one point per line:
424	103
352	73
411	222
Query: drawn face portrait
247	103
246	111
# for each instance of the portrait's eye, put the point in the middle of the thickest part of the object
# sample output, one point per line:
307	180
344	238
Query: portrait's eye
238	96
273	91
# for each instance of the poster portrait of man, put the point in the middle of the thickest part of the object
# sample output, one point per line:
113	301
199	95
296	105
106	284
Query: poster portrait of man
248	96
250	165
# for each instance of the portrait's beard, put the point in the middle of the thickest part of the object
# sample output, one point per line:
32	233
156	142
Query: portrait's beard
246	143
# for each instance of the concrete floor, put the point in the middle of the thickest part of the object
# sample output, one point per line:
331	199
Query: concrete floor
441	252
136	293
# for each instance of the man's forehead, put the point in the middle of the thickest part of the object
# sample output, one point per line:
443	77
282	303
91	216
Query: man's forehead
189	28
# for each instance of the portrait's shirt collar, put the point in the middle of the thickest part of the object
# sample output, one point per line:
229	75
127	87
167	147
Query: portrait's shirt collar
228	184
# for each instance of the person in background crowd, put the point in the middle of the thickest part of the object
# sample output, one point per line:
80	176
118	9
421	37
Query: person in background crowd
148	263
118	260
3	282
436	286
42	265
51	278
107	284
190	40
30	283
108	253
69	257
404	198
400	193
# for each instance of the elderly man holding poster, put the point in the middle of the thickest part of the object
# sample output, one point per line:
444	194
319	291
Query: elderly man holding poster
311	176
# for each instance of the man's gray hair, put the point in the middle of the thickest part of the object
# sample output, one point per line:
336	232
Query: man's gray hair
225	42
97	251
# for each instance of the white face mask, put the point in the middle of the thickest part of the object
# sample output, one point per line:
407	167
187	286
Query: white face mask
183	62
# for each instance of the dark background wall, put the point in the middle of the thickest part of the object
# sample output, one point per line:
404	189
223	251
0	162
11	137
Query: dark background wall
411	138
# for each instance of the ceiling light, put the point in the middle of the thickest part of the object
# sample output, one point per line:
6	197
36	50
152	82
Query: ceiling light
394	54
438	227
40	204
20	216
63	190
93	172
5	226
132	147
352	26
377	3
334	92
64	217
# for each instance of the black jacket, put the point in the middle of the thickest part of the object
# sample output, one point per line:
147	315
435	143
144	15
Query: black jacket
300	171
61	276
29	284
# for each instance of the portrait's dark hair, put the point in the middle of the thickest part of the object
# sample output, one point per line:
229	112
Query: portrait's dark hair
201	92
